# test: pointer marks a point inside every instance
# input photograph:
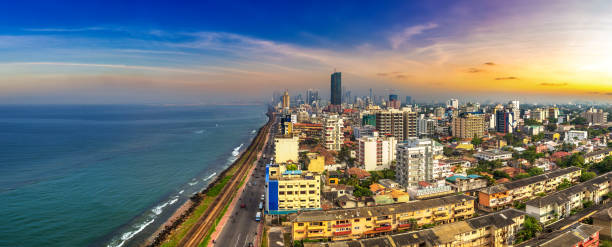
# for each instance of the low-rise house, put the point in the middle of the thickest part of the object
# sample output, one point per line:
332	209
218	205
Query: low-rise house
389	184
358	173
543	164
503	195
464	183
496	229
427	190
560	204
493	154
339	224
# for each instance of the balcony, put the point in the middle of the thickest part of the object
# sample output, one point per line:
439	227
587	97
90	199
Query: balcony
342	225
407	225
383	228
342	233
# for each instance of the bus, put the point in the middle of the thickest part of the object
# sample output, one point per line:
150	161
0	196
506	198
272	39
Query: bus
258	216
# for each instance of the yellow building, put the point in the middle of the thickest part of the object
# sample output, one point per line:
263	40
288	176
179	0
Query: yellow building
316	162
469	125
496	229
291	190
363	222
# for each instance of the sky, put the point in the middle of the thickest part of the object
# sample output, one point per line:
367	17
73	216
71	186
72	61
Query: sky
218	52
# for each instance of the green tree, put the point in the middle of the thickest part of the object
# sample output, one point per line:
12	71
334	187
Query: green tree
578	121
534	171
572	160
476	141
564	185
532	122
500	174
521	176
585	176
530	228
551	127
292	167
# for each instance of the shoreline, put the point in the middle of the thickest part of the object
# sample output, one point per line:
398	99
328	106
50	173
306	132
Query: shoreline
160	235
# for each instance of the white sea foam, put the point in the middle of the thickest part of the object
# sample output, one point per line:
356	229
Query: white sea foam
209	177
181	192
193	183
128	235
253	132
236	151
173	201
199	131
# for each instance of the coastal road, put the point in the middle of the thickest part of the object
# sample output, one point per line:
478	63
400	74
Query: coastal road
241	228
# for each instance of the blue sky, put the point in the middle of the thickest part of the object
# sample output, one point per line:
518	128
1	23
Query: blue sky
238	51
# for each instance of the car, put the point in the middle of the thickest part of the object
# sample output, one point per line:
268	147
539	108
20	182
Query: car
250	245
263	197
242	205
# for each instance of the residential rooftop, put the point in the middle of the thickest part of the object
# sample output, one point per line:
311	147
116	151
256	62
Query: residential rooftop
561	196
527	181
343	214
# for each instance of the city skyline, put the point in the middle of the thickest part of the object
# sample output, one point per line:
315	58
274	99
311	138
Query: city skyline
205	53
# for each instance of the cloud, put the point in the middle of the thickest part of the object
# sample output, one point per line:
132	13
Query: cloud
474	70
382	74
400	76
490	63
399	39
551	84
111	66
506	78
82	29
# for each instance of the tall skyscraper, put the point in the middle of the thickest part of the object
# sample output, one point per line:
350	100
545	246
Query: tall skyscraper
504	119
336	88
416	160
408	100
286	100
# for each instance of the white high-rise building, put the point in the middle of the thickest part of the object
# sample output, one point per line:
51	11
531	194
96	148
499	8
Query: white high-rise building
416	160
376	153
334	137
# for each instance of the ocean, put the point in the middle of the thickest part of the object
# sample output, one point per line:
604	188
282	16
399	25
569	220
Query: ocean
109	175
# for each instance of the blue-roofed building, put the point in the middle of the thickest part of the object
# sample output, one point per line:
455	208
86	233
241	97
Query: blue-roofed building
462	183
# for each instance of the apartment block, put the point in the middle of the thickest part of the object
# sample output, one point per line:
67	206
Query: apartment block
469	125
333	134
595	116
503	195
341	224
286	149
496	229
376	153
410	125
597	156
391	123
560	204
416	159
287	191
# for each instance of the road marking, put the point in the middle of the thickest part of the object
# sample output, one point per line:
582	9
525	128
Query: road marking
238	239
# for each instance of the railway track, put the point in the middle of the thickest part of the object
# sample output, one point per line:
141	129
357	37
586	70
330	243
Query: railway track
201	228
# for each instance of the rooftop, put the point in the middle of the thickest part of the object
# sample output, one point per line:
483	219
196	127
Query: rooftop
527	181
561	196
342	214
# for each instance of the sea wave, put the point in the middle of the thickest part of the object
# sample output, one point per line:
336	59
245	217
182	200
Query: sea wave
199	131
209	177
193	183
236	151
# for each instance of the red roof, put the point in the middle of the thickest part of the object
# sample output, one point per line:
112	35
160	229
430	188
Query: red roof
359	173
560	154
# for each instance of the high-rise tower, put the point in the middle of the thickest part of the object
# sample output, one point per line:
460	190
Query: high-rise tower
336	88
